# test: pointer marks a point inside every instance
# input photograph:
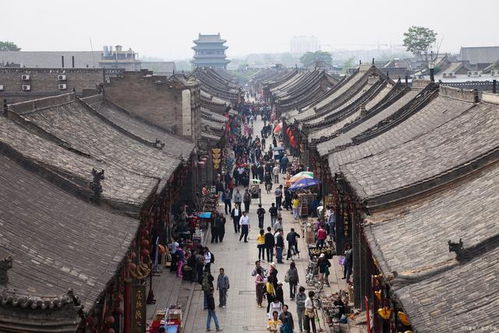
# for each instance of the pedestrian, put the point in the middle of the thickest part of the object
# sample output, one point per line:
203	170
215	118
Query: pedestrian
209	259
269	244
226	197
287	194
321	236
274	323
273	214
331	223
260	286
258	264
261	215
300	306
323	264
279	293
206	286
244	222
295	204
260	244
275	305
309	318
284	163
268	182
222	287
347	264
180	261
287	320
291	237
278	197
279	246
212	313
278	224
214	227
221	227
247	200
236	216
292	278
237	198
275	172
173	246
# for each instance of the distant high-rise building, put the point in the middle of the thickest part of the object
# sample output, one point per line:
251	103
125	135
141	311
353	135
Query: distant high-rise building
303	44
209	51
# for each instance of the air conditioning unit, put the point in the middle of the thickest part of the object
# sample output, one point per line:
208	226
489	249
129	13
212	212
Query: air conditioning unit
62	86
26	87
61	77
25	77
1	87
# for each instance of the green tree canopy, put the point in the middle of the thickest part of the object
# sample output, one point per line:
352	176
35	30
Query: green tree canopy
418	40
8	46
310	58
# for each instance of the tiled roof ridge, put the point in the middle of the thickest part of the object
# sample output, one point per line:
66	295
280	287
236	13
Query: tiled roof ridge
408	110
347	111
434	182
304	94
397	92
16	298
339	100
304	83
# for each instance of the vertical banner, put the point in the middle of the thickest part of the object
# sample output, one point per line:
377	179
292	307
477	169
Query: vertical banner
138	308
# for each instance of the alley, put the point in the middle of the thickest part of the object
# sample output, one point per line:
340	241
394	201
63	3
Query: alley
238	260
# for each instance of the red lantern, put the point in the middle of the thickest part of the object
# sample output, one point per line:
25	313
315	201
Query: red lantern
110	320
145	243
132	266
110	330
133	255
145	252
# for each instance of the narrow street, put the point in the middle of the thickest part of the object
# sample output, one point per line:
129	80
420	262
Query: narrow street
238	259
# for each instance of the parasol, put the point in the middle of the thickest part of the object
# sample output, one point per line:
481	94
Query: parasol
304	183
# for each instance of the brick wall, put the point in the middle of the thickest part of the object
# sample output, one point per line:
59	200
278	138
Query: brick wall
45	82
150	97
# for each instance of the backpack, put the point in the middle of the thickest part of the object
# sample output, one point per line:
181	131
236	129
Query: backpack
212	260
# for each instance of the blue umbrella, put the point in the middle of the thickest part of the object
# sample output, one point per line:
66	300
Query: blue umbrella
304	183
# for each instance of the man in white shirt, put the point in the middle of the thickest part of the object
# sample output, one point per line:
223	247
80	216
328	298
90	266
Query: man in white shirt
244	222
236	216
275	172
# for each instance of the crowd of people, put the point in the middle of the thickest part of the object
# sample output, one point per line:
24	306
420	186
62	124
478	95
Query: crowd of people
252	160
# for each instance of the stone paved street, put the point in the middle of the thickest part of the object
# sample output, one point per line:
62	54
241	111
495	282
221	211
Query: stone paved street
238	258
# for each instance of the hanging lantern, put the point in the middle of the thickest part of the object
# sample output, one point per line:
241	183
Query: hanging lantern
385	312
110	320
132	266
378	294
404	319
145	243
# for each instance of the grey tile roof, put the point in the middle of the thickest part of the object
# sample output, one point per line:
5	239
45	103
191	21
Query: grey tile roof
346	137
439	293
56	240
439	111
120	187
83	130
460	140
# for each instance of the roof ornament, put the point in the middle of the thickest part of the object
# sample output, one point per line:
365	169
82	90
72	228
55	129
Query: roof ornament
456	247
158	144
96	186
5	265
5	108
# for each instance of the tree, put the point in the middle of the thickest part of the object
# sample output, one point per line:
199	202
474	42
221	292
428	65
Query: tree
8	46
311	58
419	40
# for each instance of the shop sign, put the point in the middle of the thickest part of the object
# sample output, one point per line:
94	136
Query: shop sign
138	308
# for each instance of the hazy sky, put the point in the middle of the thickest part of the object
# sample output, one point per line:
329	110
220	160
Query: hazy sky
166	28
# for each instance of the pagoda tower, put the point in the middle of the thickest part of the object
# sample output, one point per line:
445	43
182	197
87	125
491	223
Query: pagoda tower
209	51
